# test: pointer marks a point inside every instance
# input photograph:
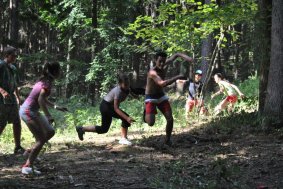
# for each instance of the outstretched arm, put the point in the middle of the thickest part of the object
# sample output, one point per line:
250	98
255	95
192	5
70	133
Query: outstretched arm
52	105
121	113
217	93
181	81
181	55
163	83
238	90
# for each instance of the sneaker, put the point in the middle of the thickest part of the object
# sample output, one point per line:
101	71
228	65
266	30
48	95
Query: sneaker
80	132
29	170
19	150
125	141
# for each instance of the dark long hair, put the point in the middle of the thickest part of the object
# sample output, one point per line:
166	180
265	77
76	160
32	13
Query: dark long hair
50	69
220	75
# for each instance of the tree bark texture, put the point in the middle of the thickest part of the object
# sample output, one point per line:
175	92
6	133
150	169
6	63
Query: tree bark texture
206	49
262	55
274	100
14	31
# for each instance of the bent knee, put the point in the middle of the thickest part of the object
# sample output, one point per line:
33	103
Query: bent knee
150	119
100	130
50	134
103	132
150	123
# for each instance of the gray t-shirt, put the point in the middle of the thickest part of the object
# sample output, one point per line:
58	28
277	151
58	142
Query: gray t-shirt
116	93
194	89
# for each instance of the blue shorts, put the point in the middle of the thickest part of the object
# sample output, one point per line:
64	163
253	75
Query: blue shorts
27	115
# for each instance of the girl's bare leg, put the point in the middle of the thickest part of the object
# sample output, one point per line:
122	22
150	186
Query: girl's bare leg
124	132
221	106
42	132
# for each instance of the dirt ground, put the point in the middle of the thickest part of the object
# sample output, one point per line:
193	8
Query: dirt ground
197	159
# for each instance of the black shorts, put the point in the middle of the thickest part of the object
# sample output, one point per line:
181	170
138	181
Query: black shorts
107	112
9	113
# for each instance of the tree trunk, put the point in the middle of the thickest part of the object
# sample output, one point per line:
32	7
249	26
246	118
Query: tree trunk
245	67
14	31
2	24
136	58
205	54
274	100
206	49
262	51
69	86
94	48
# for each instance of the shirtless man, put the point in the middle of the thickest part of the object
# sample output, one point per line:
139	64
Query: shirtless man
154	94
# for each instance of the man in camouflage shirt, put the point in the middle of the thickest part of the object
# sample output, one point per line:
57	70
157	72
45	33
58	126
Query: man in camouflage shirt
9	97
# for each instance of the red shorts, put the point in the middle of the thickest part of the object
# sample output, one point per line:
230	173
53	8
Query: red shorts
190	104
164	106
232	99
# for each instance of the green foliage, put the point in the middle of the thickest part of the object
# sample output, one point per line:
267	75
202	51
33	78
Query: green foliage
250	88
35	63
68	16
179	28
109	62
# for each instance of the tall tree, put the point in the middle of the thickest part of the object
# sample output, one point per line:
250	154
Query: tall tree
206	49
14	27
262	52
274	99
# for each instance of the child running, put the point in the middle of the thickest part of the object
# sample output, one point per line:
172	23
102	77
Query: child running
39	125
154	93
229	90
194	90
109	108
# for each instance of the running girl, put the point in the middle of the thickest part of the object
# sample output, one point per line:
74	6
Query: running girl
229	90
40	125
109	108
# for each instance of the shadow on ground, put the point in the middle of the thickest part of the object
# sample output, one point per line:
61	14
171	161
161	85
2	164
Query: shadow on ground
220	154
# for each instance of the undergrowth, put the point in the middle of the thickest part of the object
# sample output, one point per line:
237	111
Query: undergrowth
82	113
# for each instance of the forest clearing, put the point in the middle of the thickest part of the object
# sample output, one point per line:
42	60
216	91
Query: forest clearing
204	155
136	94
